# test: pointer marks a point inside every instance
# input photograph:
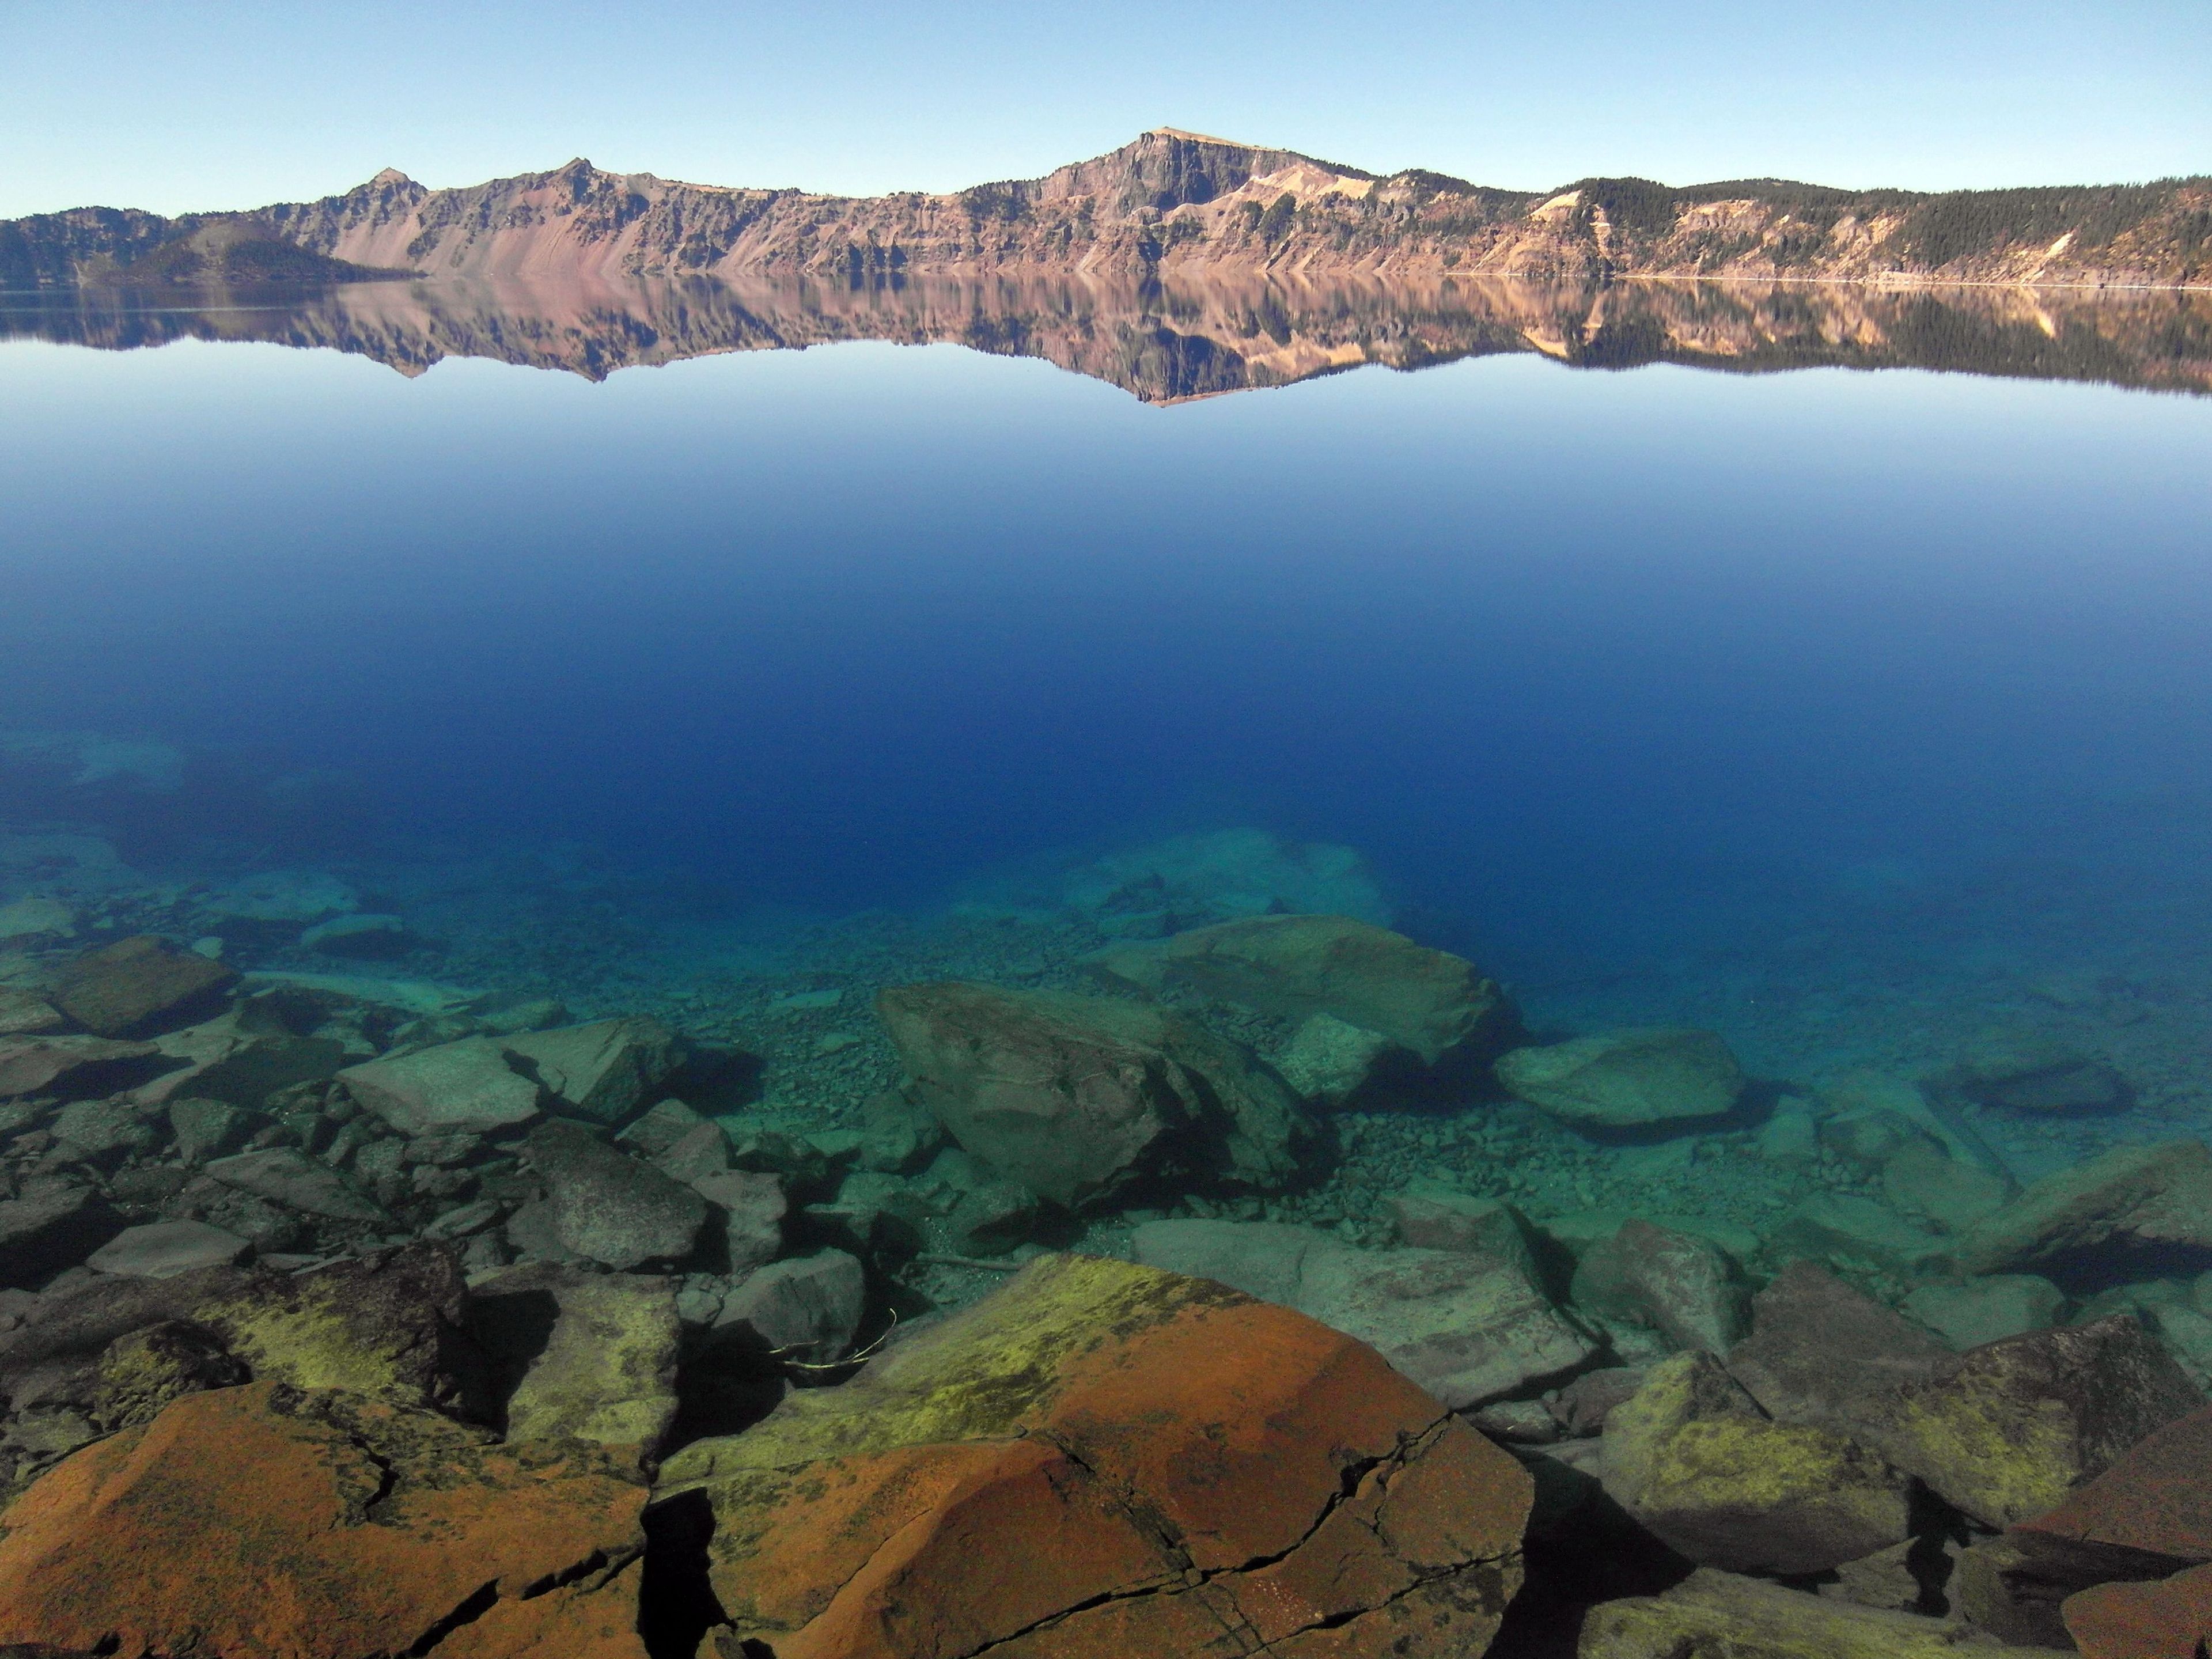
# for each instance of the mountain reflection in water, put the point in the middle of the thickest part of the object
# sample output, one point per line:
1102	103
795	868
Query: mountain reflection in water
1165	343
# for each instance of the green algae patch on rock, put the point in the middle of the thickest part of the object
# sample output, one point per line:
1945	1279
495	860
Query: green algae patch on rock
1429	1002
1103	1460
581	1356
1073	1097
1715	1615
1627	1080
1694	1459
2013	1427
384	1328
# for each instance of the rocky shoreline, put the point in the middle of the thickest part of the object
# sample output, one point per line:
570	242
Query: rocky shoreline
1201	1283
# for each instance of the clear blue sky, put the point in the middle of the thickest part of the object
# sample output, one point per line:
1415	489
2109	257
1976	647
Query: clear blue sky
229	103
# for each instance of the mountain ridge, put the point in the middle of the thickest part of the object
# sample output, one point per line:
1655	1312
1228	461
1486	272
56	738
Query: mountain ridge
1167	201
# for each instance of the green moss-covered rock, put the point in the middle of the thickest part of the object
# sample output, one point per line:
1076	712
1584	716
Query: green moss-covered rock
1712	1615
578	1355
2013	1427
1694	1459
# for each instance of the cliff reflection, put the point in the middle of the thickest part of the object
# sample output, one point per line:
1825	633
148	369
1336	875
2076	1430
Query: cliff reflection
1163	343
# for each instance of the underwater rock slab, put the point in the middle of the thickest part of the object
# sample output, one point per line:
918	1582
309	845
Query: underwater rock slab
1694	1459
1470	1327
288	1176
1100	1460
456	1086
1679	1286
605	1071
582	1355
610	1207
1822	1352
162	1249
808	1308
1627	1080
1220	874
141	987
43	1232
2006	1431
2132	1198
269	1521
1425	1001
2153	1503
26	1013
1073	1096
1979	1310
1716	1615
73	1067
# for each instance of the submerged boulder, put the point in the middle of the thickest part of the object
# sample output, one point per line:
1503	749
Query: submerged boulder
268	1521
2132	1200
1694	1459
44	1231
610	1207
1427	1002
464	1087
579	1355
1176	1460
142	986
1717	1615
1074	1096
1679	1286
73	1067
605	1071
1627	1080
1470	1326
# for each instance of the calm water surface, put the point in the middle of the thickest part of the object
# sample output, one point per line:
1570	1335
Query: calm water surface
1584	661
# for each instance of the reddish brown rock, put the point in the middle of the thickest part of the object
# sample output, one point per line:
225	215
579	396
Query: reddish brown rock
2172	1620
141	986
266	1521
1189	1472
2156	1500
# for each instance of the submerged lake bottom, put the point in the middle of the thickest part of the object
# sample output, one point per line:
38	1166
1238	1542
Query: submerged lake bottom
1496	1010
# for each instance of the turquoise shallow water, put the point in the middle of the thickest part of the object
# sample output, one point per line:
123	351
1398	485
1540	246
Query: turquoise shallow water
1663	692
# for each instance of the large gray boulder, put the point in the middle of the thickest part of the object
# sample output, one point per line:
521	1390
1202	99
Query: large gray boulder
605	1071
1627	1080
610	1207
806	1310
1074	1096
73	1067
464	1087
1425	1001
1469	1325
2133	1199
49	1229
1679	1286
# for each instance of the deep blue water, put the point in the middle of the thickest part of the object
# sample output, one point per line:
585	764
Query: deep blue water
845	626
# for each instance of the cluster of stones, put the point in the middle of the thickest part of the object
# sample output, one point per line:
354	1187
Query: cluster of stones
473	1334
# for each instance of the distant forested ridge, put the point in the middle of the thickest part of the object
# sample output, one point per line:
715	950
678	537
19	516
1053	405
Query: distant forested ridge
1170	201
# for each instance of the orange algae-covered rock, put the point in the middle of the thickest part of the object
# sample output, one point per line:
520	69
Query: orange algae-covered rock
275	1522
1104	1459
2171	1619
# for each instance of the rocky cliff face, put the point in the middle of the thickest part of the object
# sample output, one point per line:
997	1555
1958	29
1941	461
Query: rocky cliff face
1177	201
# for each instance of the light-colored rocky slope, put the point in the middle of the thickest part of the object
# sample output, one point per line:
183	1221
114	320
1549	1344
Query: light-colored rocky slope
1177	201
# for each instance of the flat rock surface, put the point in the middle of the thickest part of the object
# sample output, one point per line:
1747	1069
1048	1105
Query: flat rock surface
141	986
1715	1615
1468	1326
162	1249
604	1071
268	1521
610	1207
1192	1472
1627	1080
466	1086
2132	1198
1426	1001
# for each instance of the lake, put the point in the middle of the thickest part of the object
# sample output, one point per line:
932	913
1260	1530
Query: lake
1851	711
